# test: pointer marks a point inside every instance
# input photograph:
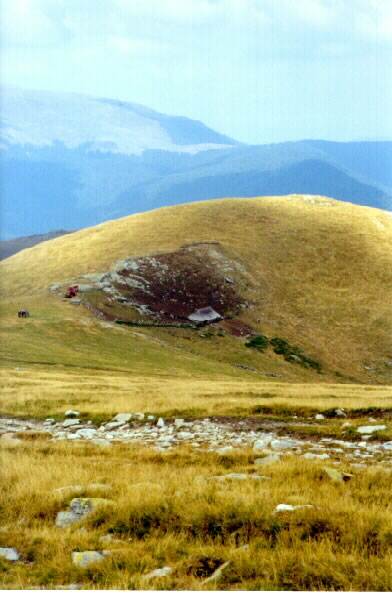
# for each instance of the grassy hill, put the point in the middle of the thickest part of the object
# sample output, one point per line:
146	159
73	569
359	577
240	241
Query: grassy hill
315	273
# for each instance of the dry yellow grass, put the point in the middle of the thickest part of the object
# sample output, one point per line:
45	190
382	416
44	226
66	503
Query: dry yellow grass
41	392
319	273
166	513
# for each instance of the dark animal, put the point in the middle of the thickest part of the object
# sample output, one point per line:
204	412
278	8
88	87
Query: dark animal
23	313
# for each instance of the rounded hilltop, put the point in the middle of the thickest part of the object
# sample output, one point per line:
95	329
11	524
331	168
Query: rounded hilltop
309	271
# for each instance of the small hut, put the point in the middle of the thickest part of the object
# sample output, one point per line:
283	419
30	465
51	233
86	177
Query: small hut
204	316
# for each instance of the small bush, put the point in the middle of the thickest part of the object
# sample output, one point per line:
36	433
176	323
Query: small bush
260	342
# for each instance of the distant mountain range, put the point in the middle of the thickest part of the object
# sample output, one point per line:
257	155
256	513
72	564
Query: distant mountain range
14	245
71	161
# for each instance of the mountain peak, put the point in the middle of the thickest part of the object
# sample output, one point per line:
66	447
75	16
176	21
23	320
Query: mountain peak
42	118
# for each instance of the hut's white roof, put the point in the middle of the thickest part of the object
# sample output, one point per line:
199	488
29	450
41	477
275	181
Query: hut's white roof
204	314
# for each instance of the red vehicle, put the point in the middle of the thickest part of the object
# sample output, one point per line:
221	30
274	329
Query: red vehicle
72	291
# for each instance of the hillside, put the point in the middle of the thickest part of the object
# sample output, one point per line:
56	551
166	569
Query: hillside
83	160
309	271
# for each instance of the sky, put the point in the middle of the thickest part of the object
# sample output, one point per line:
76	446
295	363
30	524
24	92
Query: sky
260	71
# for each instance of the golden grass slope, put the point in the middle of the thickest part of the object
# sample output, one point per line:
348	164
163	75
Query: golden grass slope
320	269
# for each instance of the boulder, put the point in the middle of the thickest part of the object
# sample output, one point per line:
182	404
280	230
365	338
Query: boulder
86	558
9	553
319	416
87	433
236	477
283	444
340	413
161	422
139	415
262	443
310	455
64	519
86	505
113	425
122	417
70	422
158	573
337	475
290	508
371	429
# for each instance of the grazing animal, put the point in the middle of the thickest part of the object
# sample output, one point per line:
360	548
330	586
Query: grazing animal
23	313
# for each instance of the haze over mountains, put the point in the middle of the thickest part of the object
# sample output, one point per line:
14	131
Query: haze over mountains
71	161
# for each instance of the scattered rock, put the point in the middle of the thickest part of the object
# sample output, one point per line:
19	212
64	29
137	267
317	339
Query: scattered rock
337	475
370	429
122	417
179	422
310	455
290	508
67	518
262	443
236	477
72	413
284	444
70	422
80	507
86	558
9	553
217	573
158	573
113	425
86	505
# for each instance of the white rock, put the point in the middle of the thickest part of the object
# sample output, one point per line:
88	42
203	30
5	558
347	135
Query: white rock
262	443
179	422
161	422
9	553
319	416
73	436
86	558
310	455
72	413
340	413
284	444
67	518
70	422
185	436
122	417
139	416
290	508
112	425
151	417
159	573
88	433
370	429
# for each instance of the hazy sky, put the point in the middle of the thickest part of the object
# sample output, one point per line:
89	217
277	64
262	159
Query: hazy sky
258	70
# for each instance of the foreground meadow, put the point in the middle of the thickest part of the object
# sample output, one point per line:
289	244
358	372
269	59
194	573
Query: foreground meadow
166	512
